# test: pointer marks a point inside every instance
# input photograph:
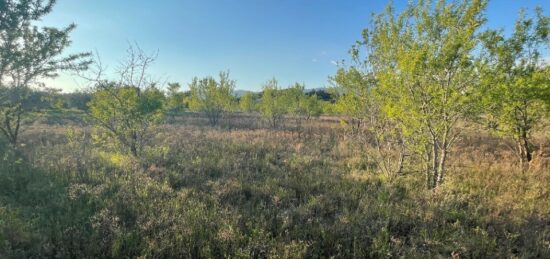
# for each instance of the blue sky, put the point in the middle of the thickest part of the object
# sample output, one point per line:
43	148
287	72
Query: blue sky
256	40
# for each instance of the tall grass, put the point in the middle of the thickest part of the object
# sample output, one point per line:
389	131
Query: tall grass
250	191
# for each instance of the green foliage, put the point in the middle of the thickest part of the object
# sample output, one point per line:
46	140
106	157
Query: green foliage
174	99
212	97
355	97
126	116
273	104
312	106
28	54
294	96
299	104
361	99
423	63
239	193
76	100
218	193
516	81
355	93
12	112
276	102
248	103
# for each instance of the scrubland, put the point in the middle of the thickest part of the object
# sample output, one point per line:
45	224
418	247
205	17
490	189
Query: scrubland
245	190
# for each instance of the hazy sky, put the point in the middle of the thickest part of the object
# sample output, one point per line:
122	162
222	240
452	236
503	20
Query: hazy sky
291	40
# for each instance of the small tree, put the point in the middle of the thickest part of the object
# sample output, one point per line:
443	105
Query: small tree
273	105
247	103
294	97
361	101
312	106
174	100
516	82
299	104
212	97
127	115
355	96
27	55
126	112
423	63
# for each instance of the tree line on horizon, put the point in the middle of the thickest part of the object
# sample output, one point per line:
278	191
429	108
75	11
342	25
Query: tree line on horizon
411	80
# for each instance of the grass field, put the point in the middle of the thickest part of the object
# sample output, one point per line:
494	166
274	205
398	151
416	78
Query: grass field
245	190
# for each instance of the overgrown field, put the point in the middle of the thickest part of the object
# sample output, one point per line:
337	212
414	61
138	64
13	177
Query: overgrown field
243	190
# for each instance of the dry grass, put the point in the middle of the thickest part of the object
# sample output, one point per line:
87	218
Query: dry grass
243	189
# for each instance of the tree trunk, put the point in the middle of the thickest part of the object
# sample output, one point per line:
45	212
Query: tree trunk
524	150
441	167
427	170
434	165
443	151
134	144
524	147
10	131
400	163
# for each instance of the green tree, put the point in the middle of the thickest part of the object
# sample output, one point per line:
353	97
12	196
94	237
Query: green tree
126	116
423	63
294	99
354	96
312	106
273	105
294	96
126	112
77	100
299	104
360	100
213	98
174	100
247	103
27	55
516	81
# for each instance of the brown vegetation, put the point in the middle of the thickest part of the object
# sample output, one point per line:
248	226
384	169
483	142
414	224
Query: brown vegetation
245	190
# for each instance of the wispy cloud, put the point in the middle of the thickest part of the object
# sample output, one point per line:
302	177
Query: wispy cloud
314	60
334	62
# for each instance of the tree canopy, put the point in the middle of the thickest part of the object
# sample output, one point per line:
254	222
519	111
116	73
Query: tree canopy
212	97
29	54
